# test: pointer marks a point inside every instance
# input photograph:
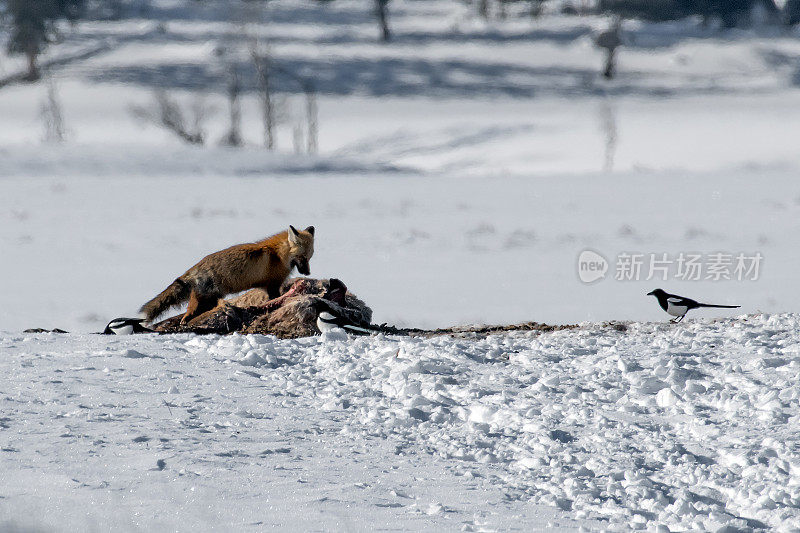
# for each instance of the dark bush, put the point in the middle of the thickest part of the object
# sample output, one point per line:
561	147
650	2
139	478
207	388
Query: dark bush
730	12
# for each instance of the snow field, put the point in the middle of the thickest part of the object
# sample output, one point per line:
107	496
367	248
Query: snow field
151	433
654	426
684	427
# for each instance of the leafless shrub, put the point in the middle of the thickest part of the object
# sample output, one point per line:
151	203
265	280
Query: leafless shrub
311	111
167	113
305	131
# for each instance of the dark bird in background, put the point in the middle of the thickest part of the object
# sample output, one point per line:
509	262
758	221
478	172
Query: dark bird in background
126	326
678	306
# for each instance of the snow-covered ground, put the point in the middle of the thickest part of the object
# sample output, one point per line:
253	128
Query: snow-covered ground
691	427
465	165
462	170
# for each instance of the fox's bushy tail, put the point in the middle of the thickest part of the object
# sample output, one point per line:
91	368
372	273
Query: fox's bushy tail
177	293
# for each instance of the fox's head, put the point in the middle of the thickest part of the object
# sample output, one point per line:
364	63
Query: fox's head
301	248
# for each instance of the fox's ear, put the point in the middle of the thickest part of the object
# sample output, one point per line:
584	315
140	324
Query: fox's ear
310	229
293	235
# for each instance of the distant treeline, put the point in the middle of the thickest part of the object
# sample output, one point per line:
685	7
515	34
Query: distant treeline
730	12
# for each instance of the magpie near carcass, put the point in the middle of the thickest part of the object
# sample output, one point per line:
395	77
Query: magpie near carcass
678	306
328	321
126	326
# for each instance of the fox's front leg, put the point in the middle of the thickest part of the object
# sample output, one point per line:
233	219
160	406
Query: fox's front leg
273	289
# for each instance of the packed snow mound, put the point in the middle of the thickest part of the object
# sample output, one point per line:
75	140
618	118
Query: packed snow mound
684	426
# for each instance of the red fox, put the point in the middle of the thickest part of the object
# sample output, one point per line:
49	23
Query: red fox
265	264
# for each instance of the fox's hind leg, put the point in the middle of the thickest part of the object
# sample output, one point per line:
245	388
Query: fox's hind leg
198	304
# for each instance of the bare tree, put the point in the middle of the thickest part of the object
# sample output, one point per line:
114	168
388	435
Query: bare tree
167	113
311	108
234	135
483	8
31	30
609	40
261	61
305	135
536	8
52	116
312	122
297	138
608	126
267	70
383	19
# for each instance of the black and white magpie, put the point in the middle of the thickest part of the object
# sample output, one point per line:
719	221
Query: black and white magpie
327	321
126	326
678	306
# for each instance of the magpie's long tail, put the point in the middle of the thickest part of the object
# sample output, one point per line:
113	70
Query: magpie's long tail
720	306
